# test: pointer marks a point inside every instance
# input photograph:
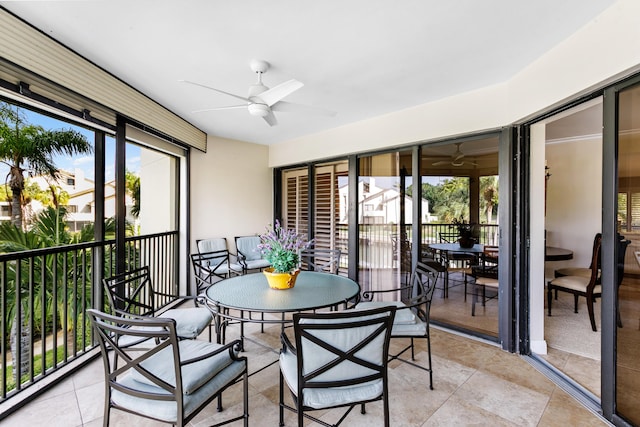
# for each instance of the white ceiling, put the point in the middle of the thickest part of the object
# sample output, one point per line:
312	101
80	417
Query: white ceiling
359	58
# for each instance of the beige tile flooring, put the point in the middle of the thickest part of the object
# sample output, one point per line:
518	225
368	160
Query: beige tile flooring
475	384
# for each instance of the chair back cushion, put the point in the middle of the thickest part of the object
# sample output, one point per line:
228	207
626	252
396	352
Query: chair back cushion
341	357
342	336
211	245
248	246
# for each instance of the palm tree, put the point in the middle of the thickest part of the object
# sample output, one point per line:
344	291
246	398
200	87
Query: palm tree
49	229
27	148
133	188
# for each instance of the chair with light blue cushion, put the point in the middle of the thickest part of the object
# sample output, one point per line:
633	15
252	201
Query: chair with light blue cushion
211	267
413	305
219	261
339	360
132	294
165	379
249	255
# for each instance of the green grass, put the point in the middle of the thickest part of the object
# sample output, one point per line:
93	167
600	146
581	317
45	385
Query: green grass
37	363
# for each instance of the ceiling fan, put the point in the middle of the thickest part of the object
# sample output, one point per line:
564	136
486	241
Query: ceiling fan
456	159
262	101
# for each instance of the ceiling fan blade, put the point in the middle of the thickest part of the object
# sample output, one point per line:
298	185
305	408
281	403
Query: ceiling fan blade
275	94
230	107
290	107
216	90
270	119
440	163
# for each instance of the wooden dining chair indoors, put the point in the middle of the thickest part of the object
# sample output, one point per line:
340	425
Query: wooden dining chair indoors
588	287
578	271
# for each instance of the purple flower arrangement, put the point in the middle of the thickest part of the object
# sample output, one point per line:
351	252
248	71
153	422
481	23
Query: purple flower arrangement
282	247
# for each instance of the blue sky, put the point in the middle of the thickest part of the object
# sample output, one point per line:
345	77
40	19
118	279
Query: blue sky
84	162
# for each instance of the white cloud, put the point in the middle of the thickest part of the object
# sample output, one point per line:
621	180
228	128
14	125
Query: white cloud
82	160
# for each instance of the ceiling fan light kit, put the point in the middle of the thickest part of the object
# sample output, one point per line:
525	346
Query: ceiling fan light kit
456	159
259	110
262	101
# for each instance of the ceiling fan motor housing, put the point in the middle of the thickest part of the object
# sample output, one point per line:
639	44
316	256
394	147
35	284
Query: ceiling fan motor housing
260	110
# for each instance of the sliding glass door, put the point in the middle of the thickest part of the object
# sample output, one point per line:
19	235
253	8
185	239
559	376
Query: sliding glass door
384	220
459	182
627	363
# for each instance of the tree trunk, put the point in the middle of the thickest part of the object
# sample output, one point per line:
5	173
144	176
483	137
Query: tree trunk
16	211
25	348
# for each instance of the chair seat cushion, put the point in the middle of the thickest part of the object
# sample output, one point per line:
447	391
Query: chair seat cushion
190	322
575	283
225	269
194	375
257	263
403	317
488	282
436	265
405	322
574	271
167	410
326	397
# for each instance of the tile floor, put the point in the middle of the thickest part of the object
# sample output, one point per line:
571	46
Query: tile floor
475	384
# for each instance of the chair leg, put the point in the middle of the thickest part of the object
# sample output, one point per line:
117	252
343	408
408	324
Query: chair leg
429	357
445	289
281	400
412	350
549	298
618	318
591	315
245	397
465	286
575	303
474	299
363	409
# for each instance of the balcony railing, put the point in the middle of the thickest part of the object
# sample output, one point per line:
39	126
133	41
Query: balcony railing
377	240
50	290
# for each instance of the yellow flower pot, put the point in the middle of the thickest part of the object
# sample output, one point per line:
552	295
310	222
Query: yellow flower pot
281	280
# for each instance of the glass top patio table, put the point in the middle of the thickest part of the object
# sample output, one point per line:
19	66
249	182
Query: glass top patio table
455	247
313	290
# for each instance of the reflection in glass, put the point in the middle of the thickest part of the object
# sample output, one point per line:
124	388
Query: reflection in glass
628	331
331	203
384	217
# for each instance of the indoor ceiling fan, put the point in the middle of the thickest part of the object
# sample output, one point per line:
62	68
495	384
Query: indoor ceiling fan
262	101
457	159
